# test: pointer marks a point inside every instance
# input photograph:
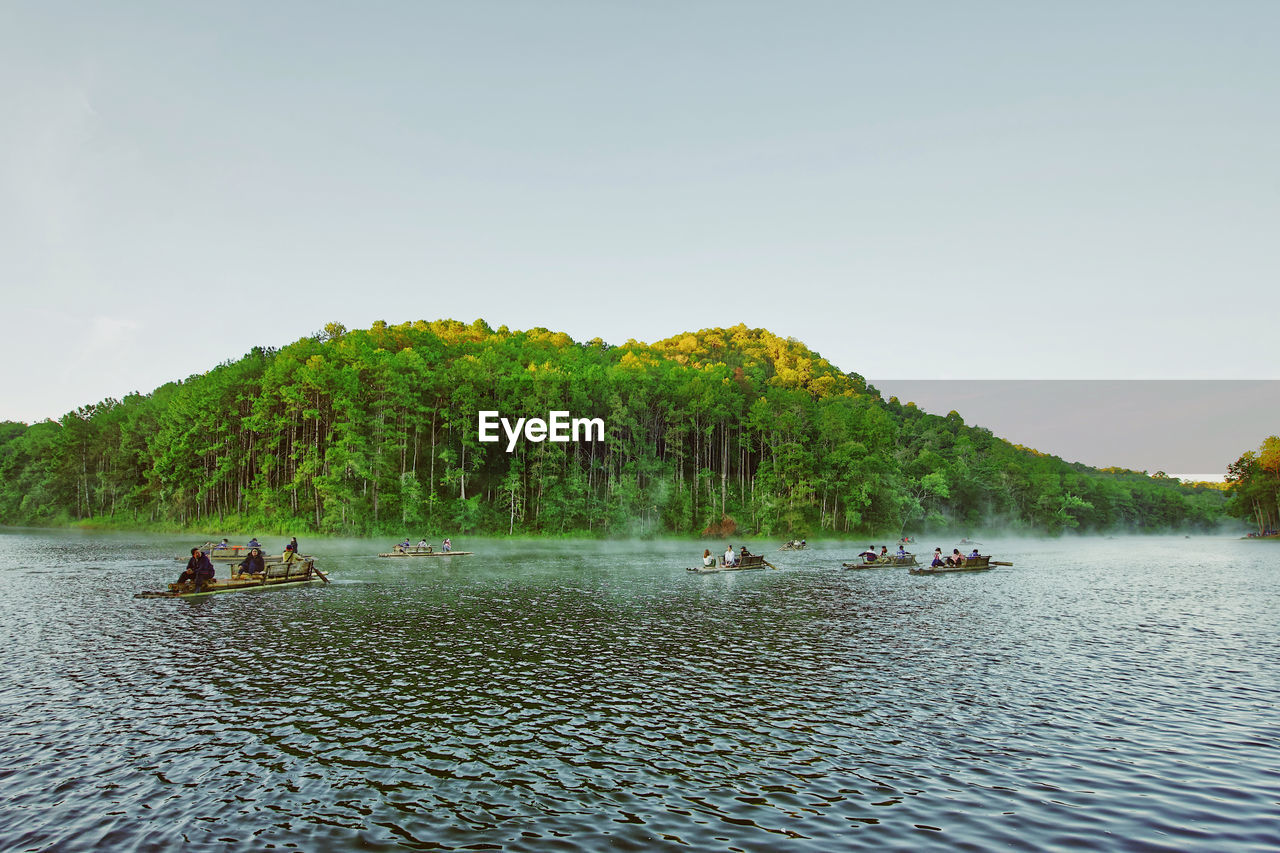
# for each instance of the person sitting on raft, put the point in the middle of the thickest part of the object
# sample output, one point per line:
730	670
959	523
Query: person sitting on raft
743	552
955	559
728	557
902	550
708	561
869	555
975	554
253	542
198	571
937	558
253	564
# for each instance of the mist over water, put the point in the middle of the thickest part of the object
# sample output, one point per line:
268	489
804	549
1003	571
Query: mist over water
572	695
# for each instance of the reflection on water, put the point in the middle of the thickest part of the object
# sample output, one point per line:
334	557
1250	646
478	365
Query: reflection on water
576	696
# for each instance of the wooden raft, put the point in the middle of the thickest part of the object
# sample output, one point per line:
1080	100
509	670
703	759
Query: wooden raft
425	553
744	564
299	572
971	564
891	562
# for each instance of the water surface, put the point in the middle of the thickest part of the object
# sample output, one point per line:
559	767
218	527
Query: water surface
571	696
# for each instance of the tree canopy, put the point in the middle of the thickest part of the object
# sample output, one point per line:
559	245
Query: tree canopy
375	432
1254	482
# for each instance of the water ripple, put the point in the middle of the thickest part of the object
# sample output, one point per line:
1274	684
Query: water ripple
571	697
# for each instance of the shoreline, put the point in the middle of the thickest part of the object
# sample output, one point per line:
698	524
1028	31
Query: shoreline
233	531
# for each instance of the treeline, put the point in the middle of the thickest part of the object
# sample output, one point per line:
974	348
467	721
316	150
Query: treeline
1254	481
375	432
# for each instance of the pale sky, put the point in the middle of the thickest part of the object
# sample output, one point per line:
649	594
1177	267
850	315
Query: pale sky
1192	429
975	190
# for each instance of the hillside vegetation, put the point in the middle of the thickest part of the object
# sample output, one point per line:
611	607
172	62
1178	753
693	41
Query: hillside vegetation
1254	483
375	432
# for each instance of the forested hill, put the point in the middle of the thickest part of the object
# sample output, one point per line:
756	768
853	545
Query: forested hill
375	431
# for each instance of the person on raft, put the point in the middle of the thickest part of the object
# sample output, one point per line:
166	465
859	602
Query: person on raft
198	571
253	564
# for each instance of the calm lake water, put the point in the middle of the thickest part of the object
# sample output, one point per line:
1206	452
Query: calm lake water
1115	694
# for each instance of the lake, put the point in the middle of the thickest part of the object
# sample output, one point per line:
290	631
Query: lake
578	695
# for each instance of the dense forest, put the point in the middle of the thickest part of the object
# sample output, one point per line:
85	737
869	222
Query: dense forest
375	432
1255	487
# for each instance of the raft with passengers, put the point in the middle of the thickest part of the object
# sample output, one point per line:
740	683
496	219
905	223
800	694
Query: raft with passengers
742	561
224	552
957	562
422	549
903	559
254	572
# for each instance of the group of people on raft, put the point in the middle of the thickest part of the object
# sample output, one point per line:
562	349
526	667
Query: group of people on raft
730	559
870	555
224	545
422	545
954	559
200	570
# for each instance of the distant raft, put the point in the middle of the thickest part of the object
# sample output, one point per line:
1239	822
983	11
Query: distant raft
892	561
268	559
971	564
744	564
230	553
299	572
426	552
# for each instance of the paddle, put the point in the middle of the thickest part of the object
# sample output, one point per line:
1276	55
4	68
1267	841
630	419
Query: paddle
767	563
311	564
999	563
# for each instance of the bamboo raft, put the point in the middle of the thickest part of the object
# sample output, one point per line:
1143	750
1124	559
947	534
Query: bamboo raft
744	564
268	559
231	552
891	562
299	572
414	552
795	545
971	564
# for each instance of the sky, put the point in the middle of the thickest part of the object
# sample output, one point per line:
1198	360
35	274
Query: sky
918	191
1190	429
